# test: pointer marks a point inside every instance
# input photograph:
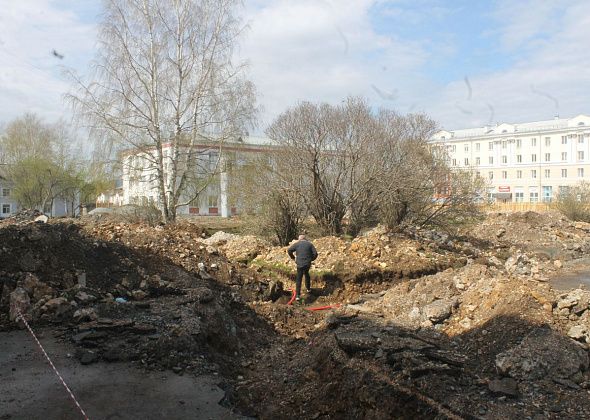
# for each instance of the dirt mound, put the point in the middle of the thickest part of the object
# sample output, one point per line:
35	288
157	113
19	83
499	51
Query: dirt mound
417	326
377	256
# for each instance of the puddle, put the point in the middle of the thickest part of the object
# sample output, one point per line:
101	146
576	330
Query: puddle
572	281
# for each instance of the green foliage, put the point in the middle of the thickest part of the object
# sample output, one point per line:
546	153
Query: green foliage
42	164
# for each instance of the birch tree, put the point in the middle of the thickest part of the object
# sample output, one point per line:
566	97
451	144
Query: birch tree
164	87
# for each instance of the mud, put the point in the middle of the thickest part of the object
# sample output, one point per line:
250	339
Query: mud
30	390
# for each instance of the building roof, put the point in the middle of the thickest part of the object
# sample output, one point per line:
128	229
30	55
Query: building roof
256	141
505	128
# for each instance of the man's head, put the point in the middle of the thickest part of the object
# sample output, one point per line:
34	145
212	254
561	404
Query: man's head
301	237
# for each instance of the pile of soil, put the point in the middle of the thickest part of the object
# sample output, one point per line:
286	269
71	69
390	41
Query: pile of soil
421	324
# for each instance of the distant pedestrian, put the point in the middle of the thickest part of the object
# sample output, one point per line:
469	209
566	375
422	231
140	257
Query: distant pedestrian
306	253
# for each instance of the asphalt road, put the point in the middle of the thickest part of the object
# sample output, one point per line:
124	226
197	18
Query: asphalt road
29	389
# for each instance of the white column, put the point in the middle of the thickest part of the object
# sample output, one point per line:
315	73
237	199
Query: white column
223	189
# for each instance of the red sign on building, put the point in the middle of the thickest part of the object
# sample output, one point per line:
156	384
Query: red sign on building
504	188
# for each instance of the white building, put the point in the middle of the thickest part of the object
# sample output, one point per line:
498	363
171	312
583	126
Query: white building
525	162
8	205
139	183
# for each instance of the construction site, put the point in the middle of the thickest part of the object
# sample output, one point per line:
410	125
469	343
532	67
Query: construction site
184	321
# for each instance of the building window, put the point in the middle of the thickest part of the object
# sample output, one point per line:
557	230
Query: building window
491	145
519	196
5	192
504	144
491	160
454	148
580	172
547	141
454	162
563	139
581	139
466	162
212	201
534	197
466	147
519	174
564	173
563	155
477	161
547	173
504	159
504	174
533	157
534	173
5	208
547	194
518	143
547	157
534	142
580	155
477	147
490	175
519	158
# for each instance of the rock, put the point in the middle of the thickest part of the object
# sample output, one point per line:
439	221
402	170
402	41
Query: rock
439	310
139	294
35	288
19	302
570	300
504	386
219	237
87	357
41	219
500	233
518	264
577	332
557	263
543	353
58	305
84	297
86	314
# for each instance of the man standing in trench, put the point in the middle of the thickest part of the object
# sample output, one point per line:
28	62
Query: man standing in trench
306	253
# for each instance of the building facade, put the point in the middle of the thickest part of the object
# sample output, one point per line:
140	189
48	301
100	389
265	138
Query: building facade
8	205
139	182
526	162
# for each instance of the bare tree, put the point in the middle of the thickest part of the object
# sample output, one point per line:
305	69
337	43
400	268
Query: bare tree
574	202
267	198
353	167
164	86
326	148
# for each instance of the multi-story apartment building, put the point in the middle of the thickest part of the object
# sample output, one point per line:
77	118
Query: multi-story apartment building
139	184
529	162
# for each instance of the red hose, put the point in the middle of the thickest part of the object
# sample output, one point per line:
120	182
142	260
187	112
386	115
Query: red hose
321	308
292	297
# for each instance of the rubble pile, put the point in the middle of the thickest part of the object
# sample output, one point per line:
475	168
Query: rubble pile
22	217
420	323
548	236
375	256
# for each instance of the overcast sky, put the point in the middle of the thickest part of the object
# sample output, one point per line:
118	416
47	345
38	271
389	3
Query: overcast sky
465	63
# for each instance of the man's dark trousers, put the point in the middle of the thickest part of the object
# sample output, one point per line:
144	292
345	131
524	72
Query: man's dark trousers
302	271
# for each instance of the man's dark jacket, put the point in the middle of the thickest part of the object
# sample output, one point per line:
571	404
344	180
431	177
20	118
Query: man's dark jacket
305	252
